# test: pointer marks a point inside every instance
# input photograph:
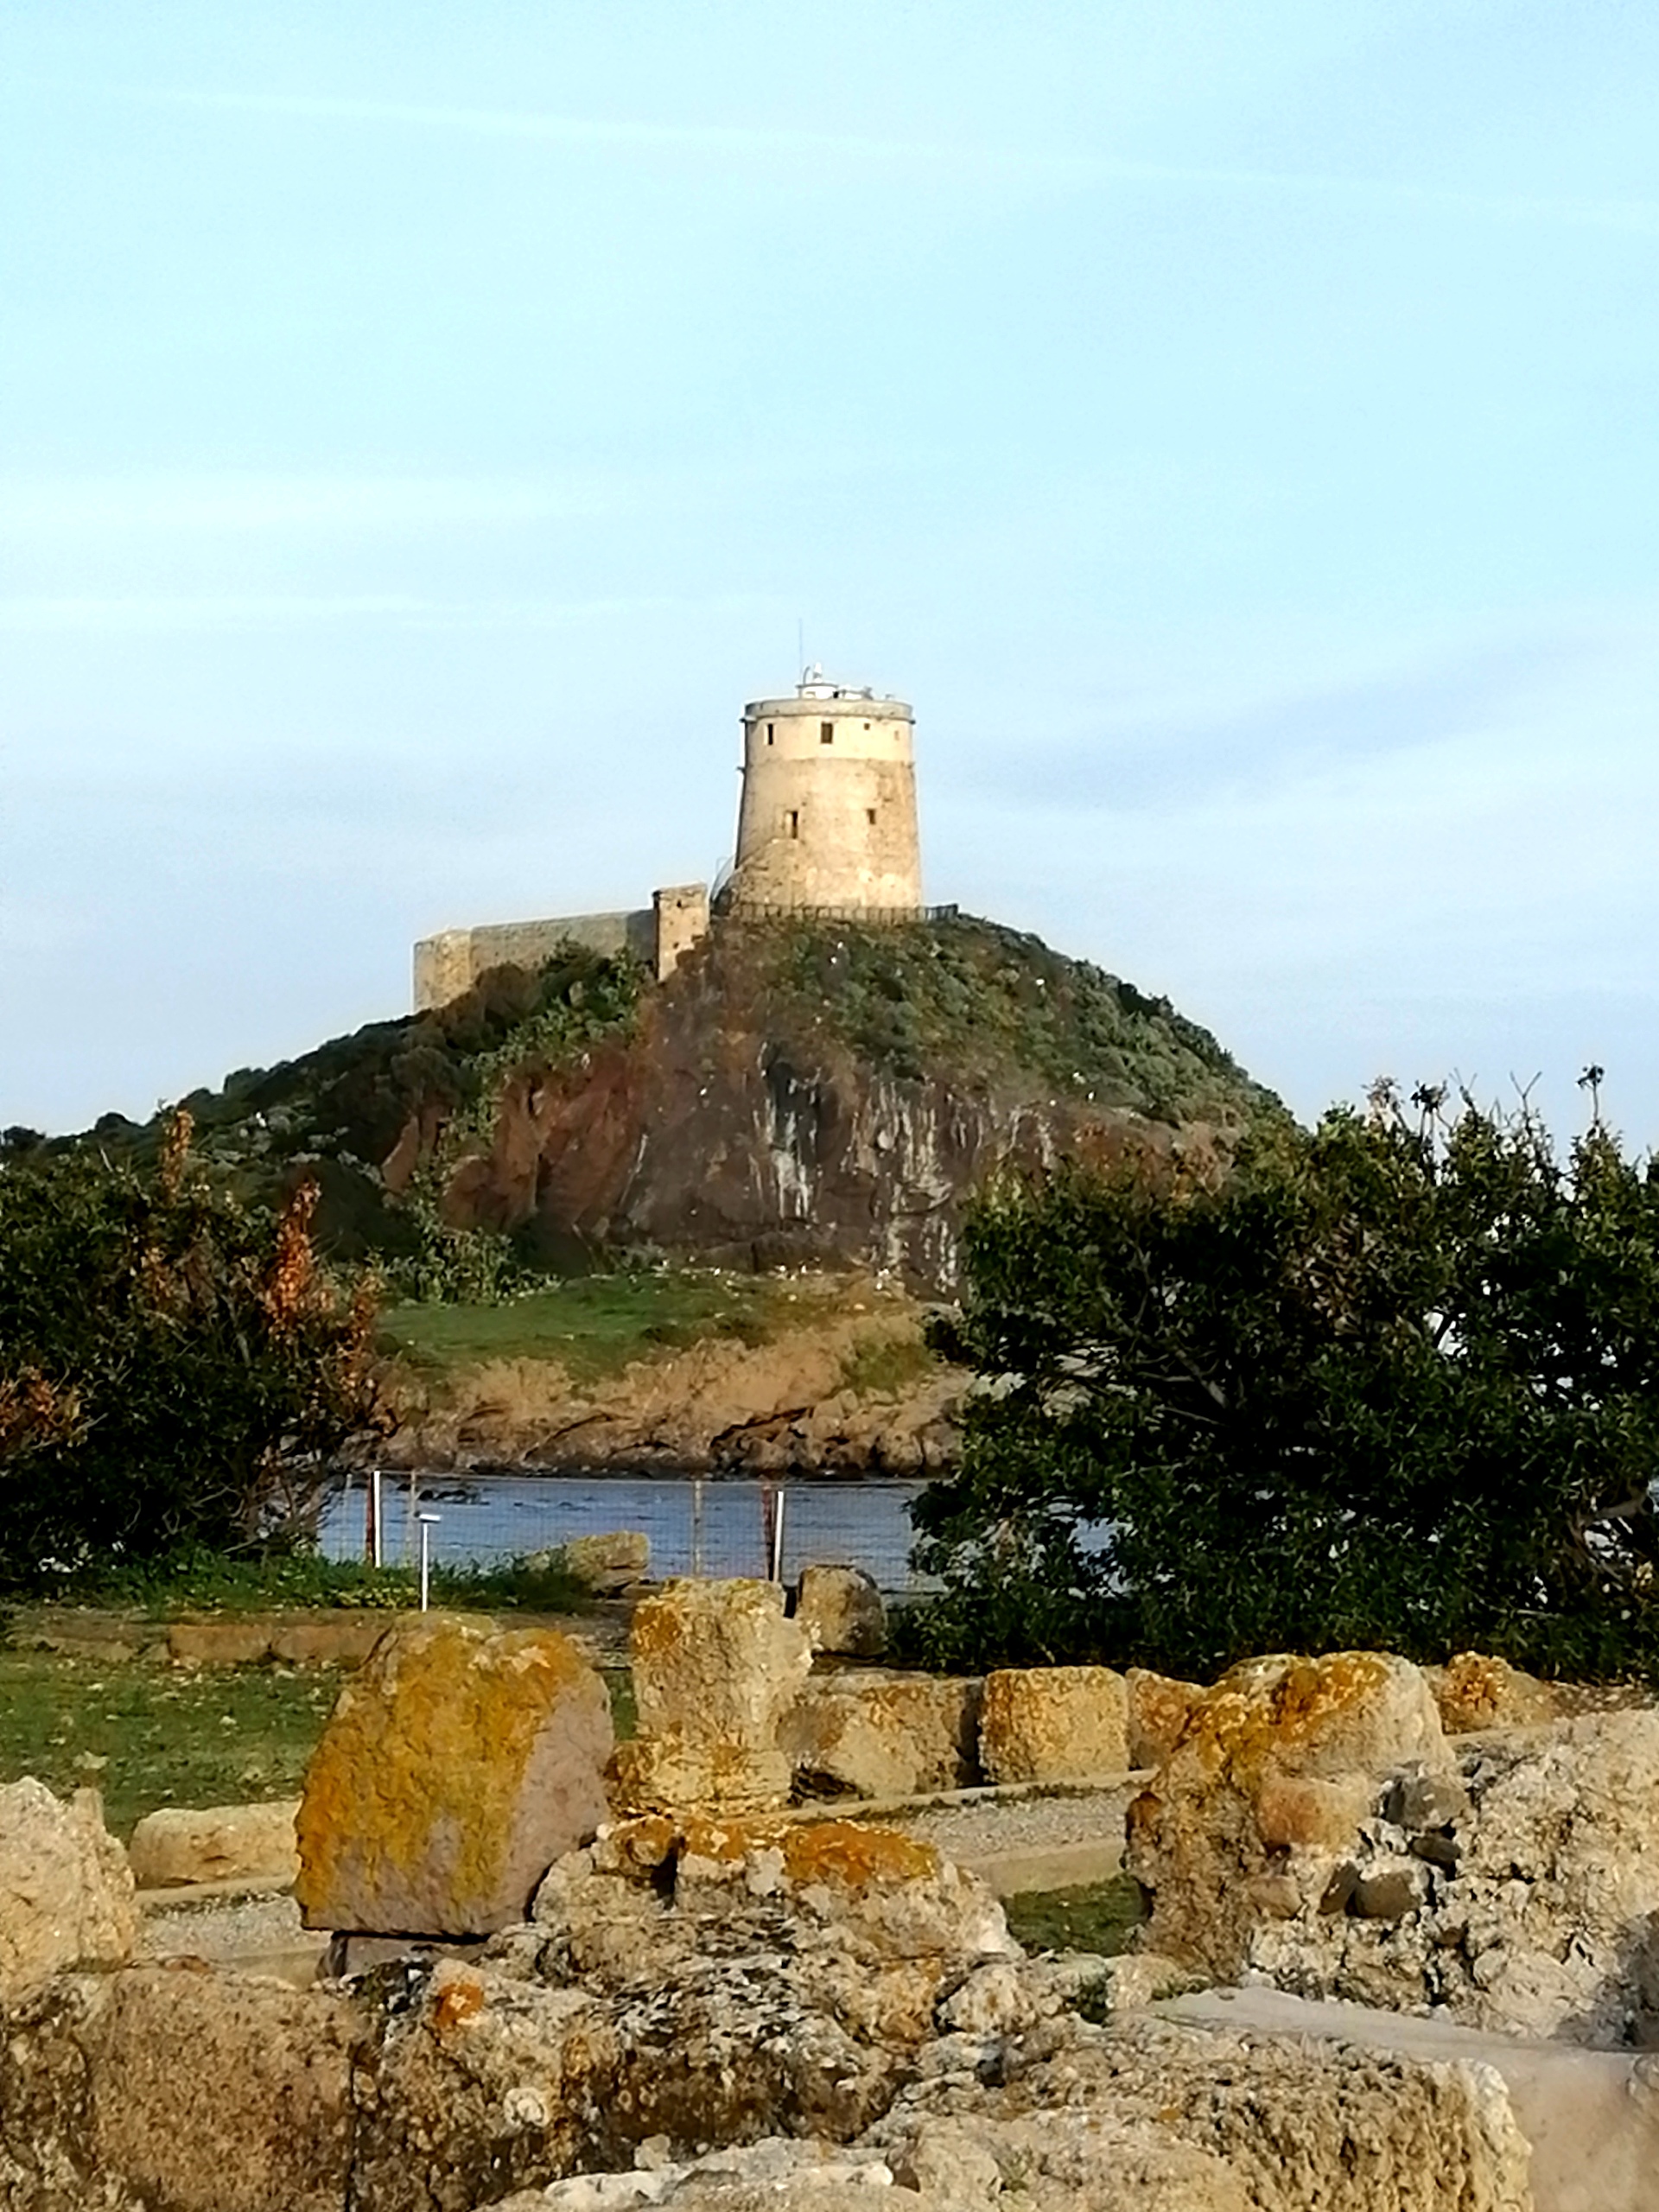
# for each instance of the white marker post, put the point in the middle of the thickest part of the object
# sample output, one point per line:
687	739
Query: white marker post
427	1521
778	1505
377	1520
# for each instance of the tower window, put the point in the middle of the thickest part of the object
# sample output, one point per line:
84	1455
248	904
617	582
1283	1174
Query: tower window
768	733
869	815
826	732
792	822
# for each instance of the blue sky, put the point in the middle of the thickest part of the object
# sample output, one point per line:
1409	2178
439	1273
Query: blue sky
1235	427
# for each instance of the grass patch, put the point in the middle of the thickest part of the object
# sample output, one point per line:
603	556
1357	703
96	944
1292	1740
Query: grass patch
209	1582
881	1366
592	1326
148	1734
1100	1916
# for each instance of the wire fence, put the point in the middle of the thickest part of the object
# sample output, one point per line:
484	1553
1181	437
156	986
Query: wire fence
768	1530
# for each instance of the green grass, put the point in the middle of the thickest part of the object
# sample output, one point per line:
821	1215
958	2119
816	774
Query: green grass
881	1366
208	1582
592	1324
1101	1916
148	1734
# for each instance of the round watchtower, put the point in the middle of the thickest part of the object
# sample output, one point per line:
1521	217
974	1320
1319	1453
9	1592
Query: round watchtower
828	815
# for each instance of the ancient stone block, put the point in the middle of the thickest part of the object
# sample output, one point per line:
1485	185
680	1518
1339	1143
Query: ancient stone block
224	2092
841	1610
1054	1723
342	1639
1200	1835
220	1844
716	1666
871	1734
219	1644
66	1890
457	1764
1475	1691
1159	1705
609	1562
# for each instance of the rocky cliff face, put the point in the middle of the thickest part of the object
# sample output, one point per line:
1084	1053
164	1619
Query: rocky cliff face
832	1098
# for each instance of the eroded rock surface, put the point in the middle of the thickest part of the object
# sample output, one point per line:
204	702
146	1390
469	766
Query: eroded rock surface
1520	1893
66	1889
869	1733
841	1610
716	1666
1283	1752
457	1764
218	1843
1054	1723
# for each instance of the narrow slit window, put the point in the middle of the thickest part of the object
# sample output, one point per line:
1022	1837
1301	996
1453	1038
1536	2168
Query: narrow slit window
768	733
792	822
826	732
870	814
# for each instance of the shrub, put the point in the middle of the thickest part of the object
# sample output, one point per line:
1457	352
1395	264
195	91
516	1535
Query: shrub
174	1369
1392	1383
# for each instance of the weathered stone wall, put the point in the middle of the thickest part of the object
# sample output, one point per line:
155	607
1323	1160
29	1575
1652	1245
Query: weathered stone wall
452	962
827	818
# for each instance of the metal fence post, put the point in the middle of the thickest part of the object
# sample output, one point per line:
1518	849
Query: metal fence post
779	1501
427	1521
697	1525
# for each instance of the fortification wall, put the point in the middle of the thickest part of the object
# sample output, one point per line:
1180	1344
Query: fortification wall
451	963
828	816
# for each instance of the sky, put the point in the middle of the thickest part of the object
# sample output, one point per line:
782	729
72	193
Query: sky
1235	428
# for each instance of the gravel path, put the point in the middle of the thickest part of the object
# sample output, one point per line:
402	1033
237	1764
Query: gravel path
990	1826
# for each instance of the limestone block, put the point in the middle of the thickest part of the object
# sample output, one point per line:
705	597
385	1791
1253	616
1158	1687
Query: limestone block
872	1734
221	1843
1474	1691
457	1764
223	2093
1197	1838
1159	1705
1054	1723
219	1644
66	1889
611	1561
841	1610
717	1666
342	1639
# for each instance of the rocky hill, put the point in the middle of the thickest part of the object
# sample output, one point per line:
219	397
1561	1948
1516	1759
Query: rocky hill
795	1094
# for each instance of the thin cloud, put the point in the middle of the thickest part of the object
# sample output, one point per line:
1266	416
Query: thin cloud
742	143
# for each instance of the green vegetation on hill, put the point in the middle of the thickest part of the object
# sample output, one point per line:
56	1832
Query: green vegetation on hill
380	1119
999	1008
592	1324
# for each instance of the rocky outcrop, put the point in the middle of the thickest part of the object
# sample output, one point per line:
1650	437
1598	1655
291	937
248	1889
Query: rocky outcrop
718	1407
457	1764
756	1114
716	1666
841	1610
221	1843
1279	1761
1054	1723
66	1890
1520	1893
868	1734
743	2013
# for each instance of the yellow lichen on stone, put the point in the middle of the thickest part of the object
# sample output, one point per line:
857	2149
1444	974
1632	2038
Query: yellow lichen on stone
422	1768
850	1855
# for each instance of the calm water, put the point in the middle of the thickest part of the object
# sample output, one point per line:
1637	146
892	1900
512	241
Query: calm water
502	1516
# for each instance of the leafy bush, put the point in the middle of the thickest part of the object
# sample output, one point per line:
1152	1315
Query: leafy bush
1394	1382
174	1369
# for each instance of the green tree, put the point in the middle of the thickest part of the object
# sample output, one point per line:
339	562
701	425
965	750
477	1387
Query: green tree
174	1369
1391	1383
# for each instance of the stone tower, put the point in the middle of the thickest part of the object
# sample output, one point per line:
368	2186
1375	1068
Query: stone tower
828	815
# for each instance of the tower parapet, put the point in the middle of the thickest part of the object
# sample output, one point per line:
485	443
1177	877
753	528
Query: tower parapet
828	815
